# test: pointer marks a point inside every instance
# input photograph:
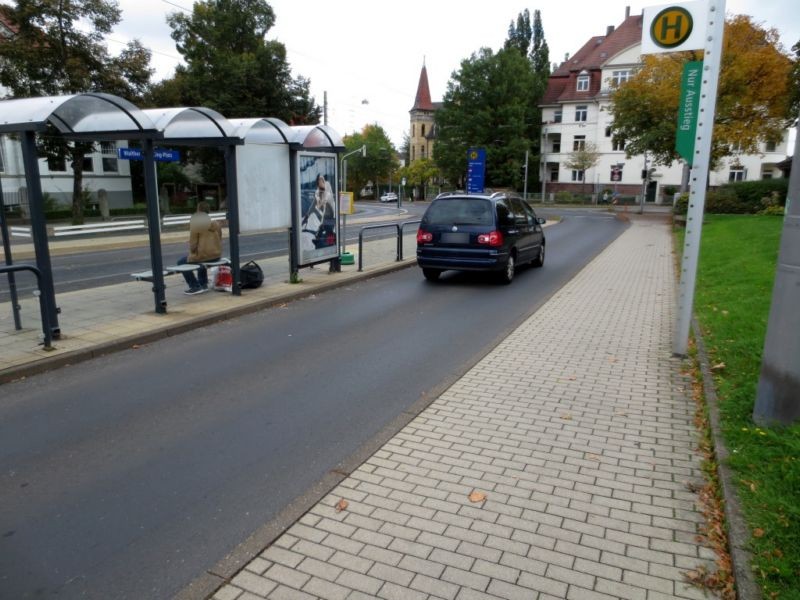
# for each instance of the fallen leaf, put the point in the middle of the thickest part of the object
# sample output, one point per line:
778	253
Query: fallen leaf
136	346
758	532
718	366
341	505
477	496
566	417
591	456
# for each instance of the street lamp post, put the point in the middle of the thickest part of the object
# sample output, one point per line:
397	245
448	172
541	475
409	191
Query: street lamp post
343	225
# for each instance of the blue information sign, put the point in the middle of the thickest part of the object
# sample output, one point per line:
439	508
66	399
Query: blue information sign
476	170
160	154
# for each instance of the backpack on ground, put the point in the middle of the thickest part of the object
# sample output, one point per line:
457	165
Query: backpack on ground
251	275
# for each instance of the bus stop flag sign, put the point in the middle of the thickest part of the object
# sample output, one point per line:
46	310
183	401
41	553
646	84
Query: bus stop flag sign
476	170
674	27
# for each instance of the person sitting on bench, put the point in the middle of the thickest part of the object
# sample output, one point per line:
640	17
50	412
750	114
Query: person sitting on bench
205	245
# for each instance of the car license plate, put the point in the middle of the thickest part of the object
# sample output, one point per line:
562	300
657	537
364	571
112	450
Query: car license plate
455	238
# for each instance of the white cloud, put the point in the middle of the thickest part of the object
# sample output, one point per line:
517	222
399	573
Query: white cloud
366	50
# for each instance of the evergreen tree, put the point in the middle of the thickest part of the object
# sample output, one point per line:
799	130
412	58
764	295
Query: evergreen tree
519	35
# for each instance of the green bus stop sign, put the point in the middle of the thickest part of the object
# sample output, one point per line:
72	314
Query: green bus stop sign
687	110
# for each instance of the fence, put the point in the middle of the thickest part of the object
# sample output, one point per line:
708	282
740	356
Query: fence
111	226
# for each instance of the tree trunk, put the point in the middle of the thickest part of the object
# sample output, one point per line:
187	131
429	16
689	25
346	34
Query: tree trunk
77	187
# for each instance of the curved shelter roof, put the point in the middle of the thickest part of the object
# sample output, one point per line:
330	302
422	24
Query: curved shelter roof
263	131
93	115
317	137
193	126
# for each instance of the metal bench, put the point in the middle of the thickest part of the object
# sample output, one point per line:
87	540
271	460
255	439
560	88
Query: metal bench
171	270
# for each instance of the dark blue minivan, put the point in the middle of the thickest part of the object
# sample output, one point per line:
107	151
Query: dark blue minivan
479	232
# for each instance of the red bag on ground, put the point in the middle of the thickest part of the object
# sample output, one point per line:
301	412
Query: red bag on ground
224	281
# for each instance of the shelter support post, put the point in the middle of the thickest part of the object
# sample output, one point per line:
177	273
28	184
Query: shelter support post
233	215
12	282
39	230
294	190
154	225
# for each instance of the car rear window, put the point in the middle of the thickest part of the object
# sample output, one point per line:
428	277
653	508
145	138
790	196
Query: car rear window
461	211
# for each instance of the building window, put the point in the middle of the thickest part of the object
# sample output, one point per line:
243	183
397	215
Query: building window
557	145
736	174
608	131
583	82
766	175
56	164
557	116
579	143
88	164
769	147
619	77
2	154
109	152
617	144
581	112
422	127
413	129
554	173
577	175
422	151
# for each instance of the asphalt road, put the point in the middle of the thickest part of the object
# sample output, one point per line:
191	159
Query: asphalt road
130	475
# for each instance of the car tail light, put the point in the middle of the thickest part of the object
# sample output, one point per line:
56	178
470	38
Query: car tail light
423	236
493	238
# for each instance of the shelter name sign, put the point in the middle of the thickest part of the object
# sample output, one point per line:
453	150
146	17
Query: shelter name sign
160	154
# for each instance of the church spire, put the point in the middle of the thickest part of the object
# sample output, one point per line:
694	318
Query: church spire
423	99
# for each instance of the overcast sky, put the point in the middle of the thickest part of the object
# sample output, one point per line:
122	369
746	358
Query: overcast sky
367	54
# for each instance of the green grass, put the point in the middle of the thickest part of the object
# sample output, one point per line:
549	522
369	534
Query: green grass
738	257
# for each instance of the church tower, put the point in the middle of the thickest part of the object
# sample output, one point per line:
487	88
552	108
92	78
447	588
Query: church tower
422	134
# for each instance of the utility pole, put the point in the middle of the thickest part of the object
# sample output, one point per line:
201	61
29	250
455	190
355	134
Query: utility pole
778	395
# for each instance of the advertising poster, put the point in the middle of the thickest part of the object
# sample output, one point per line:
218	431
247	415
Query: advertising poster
318	231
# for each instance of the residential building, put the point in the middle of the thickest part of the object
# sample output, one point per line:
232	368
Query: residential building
575	113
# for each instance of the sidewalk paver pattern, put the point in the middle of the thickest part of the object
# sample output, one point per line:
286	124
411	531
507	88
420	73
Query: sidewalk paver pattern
578	429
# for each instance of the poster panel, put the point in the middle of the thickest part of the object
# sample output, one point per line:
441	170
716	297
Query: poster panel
318	231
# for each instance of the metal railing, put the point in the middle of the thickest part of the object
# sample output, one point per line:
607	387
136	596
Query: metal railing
361	240
398	232
400	237
11	269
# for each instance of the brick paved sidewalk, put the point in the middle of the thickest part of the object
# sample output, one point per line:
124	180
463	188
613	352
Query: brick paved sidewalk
578	429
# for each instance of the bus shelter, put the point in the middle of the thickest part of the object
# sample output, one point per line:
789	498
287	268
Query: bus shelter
288	177
79	117
192	126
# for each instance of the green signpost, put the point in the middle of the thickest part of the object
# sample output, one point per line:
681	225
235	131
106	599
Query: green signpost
687	110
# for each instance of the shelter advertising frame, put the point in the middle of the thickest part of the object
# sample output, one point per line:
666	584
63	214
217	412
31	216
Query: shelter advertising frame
316	208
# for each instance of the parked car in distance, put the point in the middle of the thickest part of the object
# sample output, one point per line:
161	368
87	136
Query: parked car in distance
479	232
389	197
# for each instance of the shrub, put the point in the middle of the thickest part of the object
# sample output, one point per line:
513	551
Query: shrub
751	192
681	204
725	201
564	197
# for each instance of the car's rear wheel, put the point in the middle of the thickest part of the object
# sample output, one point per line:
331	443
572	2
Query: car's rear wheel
539	260
507	274
431	274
